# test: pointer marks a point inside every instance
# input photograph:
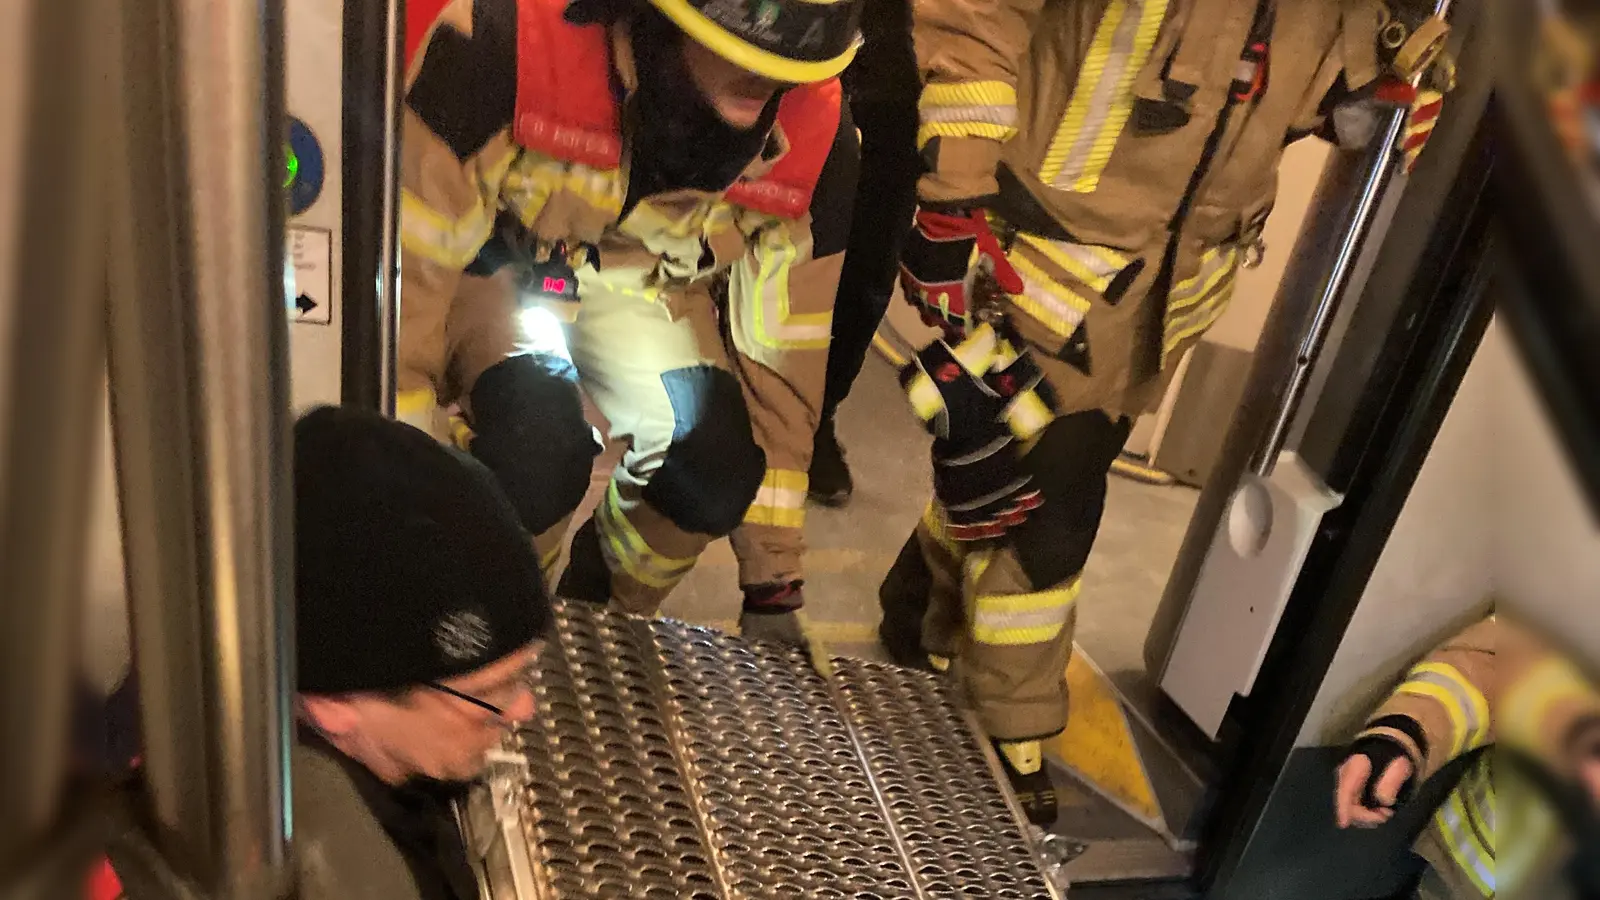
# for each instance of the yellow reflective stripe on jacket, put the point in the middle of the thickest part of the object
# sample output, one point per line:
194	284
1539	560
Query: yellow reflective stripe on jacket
1102	101
1466	825
775	326
986	109
1466	706
1093	265
547	563
1196	303
1525	706
1016	619
627	551
781	501
453	241
1055	305
417	409
533	179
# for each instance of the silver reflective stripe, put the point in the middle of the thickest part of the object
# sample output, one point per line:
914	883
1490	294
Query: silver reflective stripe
1468	704
1478	861
994	114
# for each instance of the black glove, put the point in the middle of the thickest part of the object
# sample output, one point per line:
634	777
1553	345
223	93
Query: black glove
981	400
1383	751
943	253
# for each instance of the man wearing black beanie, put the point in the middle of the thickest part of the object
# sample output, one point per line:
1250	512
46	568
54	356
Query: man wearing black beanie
419	611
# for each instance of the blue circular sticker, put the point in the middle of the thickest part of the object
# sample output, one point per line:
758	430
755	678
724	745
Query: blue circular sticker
304	167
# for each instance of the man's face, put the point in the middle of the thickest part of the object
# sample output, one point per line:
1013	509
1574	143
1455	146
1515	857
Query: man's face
430	732
737	95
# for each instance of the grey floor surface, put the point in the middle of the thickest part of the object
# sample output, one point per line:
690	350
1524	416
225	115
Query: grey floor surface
849	550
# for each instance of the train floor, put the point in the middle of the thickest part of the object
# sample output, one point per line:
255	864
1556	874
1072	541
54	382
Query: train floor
1126	793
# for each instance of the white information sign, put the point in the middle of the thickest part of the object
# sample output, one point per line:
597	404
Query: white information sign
311	251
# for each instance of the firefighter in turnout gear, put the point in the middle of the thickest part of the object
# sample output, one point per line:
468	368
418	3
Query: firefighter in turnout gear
1496	683
1104	168
593	168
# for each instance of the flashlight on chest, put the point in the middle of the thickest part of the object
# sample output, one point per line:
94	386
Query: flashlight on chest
547	300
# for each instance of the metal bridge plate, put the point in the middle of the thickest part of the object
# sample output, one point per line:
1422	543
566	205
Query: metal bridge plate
668	762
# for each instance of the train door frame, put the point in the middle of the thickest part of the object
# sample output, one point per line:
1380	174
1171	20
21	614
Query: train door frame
1420	318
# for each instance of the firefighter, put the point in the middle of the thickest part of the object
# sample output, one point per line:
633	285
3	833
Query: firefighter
1495	682
608	158
1099	171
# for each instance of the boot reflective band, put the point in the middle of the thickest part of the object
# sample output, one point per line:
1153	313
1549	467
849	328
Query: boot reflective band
781	501
1018	619
1102	101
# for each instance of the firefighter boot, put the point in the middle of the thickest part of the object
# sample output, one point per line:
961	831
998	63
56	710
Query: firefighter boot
904	599
829	482
770	614
1023	762
587	577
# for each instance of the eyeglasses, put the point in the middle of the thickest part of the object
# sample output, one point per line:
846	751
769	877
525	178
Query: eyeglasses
481	704
524	681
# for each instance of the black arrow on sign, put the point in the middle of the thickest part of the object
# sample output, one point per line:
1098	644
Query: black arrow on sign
305	304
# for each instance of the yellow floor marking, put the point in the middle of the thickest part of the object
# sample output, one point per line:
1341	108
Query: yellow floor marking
1098	745
1127	468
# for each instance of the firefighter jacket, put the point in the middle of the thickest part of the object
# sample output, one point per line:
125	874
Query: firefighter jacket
516	118
1136	144
1495	682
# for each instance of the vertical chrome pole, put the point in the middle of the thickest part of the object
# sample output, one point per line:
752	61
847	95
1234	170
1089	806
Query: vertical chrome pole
1380	164
199	341
52	351
373	63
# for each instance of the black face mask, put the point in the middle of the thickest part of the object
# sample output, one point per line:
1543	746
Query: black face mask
679	141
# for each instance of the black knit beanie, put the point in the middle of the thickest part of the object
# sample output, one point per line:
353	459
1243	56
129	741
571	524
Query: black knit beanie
410	565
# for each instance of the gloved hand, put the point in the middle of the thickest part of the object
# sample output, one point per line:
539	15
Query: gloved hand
1375	774
981	400
943	253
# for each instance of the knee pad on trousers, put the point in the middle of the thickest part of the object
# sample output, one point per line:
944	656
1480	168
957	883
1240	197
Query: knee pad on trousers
713	467
1069	464
529	429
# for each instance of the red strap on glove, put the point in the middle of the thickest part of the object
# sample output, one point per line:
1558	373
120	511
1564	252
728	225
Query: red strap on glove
973	223
936	267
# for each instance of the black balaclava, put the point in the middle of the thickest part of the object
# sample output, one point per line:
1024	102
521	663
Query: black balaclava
679	141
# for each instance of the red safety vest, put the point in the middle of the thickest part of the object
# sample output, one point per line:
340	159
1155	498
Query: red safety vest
565	107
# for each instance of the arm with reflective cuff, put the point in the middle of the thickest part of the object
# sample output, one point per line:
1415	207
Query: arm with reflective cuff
1448	695
970	52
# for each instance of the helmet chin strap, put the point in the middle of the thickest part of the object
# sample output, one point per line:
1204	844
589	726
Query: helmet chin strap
679	140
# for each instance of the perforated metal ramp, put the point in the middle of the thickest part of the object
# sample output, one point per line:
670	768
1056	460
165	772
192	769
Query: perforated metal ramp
670	762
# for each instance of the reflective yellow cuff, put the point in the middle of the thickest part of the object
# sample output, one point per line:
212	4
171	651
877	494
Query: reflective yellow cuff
781	500
1019	619
988	130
